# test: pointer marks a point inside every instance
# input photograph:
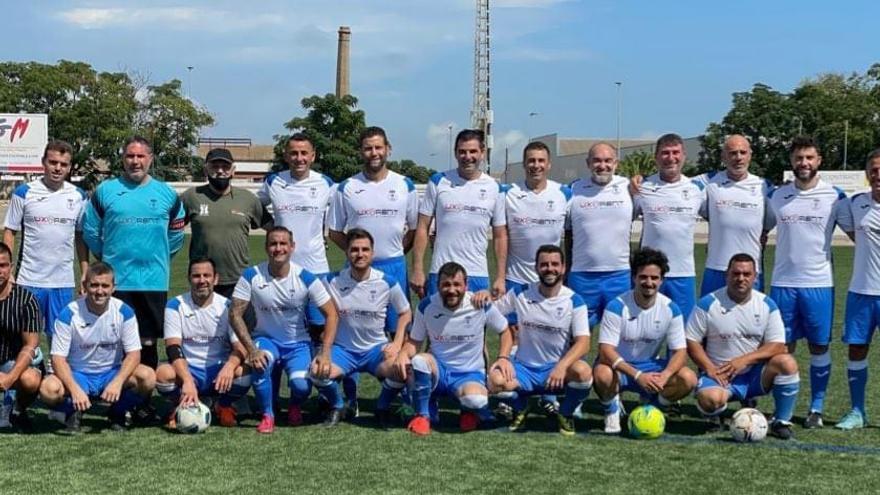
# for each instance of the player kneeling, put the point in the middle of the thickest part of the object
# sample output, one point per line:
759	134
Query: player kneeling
363	296
204	355
454	365
92	334
736	337
554	334
634	327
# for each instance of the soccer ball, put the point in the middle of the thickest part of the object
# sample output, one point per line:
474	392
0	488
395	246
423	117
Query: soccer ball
193	419
748	425
646	422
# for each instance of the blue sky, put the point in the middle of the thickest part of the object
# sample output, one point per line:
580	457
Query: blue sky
412	60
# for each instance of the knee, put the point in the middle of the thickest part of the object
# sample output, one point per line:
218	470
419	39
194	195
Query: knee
711	399
685	378
784	364
52	390
299	384
603	375
145	378
29	381
580	371
165	374
858	352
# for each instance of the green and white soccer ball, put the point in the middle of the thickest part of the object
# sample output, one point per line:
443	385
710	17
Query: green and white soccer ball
193	419
646	422
748	425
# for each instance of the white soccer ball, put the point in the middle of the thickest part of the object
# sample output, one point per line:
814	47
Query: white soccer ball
193	419
748	425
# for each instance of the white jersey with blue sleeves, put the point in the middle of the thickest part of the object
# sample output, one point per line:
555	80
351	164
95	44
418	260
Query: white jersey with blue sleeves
463	212
638	333
95	343
729	330
863	217
301	206
362	307
280	303
737	215
456	335
47	221
534	218
386	209
205	334
600	222
547	325
669	213
805	222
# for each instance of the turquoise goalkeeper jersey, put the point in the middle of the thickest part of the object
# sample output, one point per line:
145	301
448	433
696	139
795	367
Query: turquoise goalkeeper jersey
136	228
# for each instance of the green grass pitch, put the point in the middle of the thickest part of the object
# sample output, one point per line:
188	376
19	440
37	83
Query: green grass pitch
357	458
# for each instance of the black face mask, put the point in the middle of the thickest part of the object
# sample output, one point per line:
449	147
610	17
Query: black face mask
219	183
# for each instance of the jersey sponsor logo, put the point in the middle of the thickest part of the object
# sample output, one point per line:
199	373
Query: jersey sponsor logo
377	212
736	205
642	339
456	338
462	208
46	220
669	210
538	326
792	219
517	220
136	220
361	314
104	344
298	209
601	205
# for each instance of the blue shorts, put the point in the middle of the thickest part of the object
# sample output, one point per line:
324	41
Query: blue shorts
204	377
295	358
743	387
683	292
862	317
353	361
807	312
93	384
314	316
598	289
532	379
448	382
627	384
51	302
396	269
475	284
511	285
716	279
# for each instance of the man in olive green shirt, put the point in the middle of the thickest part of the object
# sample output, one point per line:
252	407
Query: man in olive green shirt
221	217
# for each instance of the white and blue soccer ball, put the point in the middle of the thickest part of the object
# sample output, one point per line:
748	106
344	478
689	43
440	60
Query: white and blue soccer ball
193	419
748	425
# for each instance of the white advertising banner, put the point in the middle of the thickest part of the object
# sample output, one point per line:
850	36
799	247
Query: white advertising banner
23	137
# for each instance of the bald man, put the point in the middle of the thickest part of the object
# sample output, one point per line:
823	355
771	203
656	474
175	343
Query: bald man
737	213
598	232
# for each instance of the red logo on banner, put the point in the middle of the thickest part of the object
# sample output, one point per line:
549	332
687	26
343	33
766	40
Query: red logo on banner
20	128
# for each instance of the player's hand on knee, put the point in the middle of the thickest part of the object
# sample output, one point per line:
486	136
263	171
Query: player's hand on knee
224	379
402	365
504	367
321	367
258	359
390	351
651	382
718	376
556	380
80	400
111	392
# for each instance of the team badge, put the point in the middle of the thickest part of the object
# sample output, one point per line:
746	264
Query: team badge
815	204
615	189
467	320
550	204
203	210
754	190
70	204
483	194
757	319
559	311
313	192
685	194
153	204
392	195
373	296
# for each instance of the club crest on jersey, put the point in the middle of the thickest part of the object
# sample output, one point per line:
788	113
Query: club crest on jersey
816	204
615	188
313	192
685	194
550	204
203	210
754	190
373	295
153	204
559	311
70	205
392	195
483	194
467	320
757	319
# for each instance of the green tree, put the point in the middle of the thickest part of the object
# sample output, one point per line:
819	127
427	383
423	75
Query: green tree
171	122
334	125
91	110
636	163
409	168
832	108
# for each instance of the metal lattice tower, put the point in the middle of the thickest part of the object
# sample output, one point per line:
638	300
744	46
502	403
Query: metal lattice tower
481	114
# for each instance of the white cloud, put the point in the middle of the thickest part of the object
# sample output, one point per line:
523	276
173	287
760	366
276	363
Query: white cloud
189	18
438	135
515	140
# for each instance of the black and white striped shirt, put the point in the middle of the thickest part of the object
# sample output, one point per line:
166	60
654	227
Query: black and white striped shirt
19	313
